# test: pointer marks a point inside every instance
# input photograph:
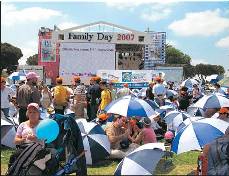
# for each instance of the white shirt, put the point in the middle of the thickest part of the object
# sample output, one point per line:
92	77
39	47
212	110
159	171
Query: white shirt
159	89
5	93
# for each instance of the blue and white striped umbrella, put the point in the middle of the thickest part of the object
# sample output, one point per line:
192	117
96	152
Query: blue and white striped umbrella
152	103
198	134
130	106
170	93
142	161
175	118
212	101
195	111
214	78
189	83
95	141
18	76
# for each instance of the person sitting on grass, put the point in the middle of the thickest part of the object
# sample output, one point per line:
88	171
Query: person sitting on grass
118	137
147	134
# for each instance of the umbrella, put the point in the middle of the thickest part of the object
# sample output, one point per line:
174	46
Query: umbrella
175	118
188	121
142	161
8	133
214	78
152	103
18	76
197	134
189	83
195	111
95	141
170	93
130	106
212	101
142	92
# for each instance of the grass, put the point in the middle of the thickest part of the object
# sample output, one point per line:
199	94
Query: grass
182	164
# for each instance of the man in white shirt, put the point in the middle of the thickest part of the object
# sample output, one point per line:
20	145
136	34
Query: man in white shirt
159	91
6	94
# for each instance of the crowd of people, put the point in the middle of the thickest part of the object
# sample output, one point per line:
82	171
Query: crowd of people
89	101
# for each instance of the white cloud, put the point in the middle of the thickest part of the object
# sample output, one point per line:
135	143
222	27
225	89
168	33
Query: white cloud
204	23
11	15
223	43
156	15
198	61
66	25
28	49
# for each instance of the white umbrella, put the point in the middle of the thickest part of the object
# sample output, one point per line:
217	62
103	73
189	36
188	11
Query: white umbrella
130	106
17	76
212	101
197	134
95	141
142	161
189	83
8	133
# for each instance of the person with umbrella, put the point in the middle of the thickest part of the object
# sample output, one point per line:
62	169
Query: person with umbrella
27	93
6	94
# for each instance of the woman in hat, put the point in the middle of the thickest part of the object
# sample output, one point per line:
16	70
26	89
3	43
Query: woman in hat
147	135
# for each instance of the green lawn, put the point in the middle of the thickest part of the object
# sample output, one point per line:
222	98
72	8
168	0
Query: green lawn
182	164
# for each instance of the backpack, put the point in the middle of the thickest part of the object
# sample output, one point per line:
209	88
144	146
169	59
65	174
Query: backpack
60	95
218	157
34	160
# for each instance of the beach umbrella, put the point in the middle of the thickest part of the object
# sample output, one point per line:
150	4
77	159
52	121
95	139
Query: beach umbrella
152	103
187	122
129	106
142	161
197	134
189	83
195	111
95	141
8	133
170	93
212	101
175	118
18	76
214	78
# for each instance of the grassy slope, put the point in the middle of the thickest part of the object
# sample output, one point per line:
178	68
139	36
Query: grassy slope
181	164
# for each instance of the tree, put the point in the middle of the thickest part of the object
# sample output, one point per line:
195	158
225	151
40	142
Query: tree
32	60
175	56
9	57
189	71
208	69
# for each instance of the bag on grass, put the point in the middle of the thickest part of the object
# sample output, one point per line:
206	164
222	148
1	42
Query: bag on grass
34	160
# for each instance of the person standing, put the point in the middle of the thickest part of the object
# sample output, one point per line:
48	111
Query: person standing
46	97
159	91
26	94
105	95
124	91
61	96
149	91
95	94
6	94
79	101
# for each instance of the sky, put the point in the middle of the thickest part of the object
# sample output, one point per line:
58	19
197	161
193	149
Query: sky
199	29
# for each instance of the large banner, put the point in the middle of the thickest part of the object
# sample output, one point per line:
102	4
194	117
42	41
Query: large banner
103	37
155	52
47	51
84	59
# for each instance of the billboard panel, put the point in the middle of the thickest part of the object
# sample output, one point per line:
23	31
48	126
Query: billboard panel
84	59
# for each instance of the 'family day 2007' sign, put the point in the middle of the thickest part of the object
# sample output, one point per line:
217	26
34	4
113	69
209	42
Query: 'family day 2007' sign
104	37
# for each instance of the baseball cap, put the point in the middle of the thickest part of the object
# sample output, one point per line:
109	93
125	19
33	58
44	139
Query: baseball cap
223	110
125	85
31	75
35	105
103	116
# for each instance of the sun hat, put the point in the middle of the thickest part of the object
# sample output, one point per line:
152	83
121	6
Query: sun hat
35	105
146	121
32	75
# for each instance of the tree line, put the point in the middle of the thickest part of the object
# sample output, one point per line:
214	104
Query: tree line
174	57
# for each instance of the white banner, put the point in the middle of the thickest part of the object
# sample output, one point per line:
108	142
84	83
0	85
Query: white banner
84	59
